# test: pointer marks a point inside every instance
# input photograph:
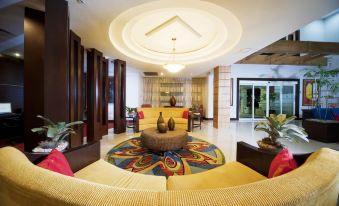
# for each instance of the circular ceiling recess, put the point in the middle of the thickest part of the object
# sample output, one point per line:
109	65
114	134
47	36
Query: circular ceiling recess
203	31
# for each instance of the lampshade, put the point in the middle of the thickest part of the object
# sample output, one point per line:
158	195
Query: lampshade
173	68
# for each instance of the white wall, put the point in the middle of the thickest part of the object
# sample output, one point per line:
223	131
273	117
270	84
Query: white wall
209	96
323	30
265	71
134	87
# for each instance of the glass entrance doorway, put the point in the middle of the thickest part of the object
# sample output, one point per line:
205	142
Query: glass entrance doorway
258	99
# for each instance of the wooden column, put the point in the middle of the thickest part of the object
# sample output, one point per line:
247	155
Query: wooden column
46	76
75	84
221	101
119	96
95	95
104	96
56	71
34	44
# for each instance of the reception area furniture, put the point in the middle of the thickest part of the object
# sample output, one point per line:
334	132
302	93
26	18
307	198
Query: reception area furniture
151	116
101	183
152	139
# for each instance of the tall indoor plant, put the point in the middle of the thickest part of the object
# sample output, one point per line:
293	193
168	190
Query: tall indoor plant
327	86
279	127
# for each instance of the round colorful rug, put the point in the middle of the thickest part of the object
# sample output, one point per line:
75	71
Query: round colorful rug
197	156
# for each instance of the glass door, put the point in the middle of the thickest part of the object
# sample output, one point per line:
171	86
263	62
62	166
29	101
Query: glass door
245	107
259	102
262	98
274	100
288	103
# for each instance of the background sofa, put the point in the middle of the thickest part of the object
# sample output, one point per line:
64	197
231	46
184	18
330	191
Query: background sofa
151	116
316	182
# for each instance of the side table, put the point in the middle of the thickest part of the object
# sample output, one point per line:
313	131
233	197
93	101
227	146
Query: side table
196	120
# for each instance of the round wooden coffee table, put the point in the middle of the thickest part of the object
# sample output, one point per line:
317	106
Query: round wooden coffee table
152	139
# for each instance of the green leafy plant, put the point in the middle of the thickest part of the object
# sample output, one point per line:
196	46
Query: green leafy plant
327	85
278	127
131	110
55	132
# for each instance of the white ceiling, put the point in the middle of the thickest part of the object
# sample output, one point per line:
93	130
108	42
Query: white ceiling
262	23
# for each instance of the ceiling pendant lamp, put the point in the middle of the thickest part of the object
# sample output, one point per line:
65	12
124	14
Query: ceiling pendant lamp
172	66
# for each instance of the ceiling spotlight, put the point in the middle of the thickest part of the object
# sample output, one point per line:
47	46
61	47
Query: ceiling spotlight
17	54
245	50
172	66
162	74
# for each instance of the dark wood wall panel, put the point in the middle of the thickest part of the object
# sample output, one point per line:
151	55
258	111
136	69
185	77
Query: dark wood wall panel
75	84
119	96
94	98
56	60
34	45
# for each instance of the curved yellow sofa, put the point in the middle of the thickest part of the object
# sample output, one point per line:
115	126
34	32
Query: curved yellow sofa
316	182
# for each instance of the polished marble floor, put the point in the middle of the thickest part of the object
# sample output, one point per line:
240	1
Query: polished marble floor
226	138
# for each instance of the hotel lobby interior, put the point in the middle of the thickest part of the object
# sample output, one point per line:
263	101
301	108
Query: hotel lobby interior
169	102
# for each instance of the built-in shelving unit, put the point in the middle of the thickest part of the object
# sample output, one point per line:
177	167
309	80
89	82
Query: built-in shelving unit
171	89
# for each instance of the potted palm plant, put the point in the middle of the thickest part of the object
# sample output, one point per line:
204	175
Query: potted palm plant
56	134
279	127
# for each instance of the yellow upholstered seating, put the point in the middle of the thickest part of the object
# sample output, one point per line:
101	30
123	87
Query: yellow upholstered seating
105	173
229	175
152	114
316	182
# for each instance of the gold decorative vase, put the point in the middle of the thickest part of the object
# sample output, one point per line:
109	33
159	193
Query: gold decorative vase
171	124
172	101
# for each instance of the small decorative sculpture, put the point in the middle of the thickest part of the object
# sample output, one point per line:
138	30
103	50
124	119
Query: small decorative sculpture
172	101
171	124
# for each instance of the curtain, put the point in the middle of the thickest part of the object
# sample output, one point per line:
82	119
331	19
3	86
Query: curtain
151	91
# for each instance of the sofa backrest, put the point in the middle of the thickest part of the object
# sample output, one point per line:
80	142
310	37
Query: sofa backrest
21	183
166	112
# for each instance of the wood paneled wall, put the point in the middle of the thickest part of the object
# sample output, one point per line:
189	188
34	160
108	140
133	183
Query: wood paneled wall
76	73
119	96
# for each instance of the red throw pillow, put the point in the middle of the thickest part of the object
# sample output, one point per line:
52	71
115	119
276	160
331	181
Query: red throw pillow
185	115
141	115
57	162
282	163
337	117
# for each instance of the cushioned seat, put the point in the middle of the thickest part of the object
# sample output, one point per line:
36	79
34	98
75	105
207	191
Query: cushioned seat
316	182
105	173
151	116
148	121
229	175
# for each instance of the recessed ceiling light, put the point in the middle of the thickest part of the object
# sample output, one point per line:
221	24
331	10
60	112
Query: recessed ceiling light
17	54
245	50
162	74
